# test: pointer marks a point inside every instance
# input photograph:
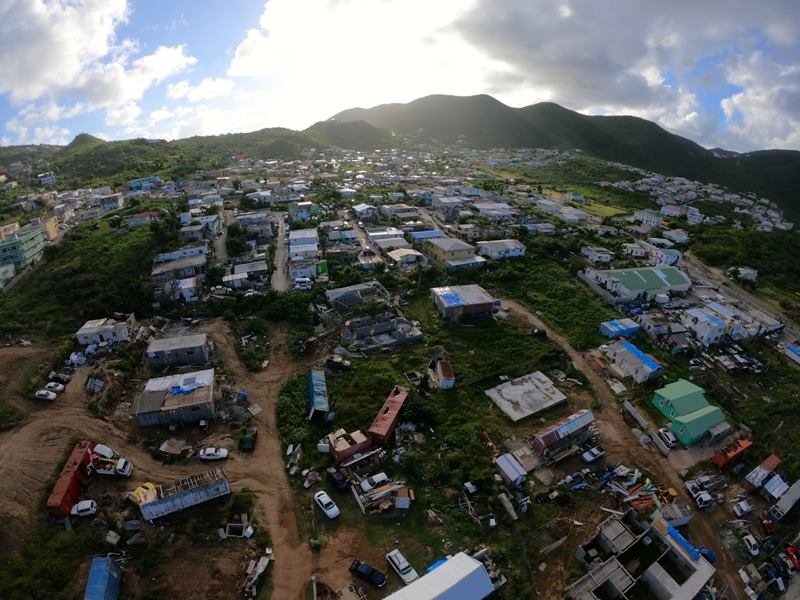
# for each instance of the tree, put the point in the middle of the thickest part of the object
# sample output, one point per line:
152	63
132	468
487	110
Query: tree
215	274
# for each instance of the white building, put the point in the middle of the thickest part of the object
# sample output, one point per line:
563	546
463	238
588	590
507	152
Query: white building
597	254
648	218
634	250
106	330
628	361
679	236
460	578
499	249
708	329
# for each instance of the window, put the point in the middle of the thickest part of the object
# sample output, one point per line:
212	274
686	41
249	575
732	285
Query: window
681	430
672	413
661	403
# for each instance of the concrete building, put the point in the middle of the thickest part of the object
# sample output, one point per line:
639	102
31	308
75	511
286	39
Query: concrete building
183	398
648	218
707	328
407	258
526	395
453	254
627	559
462	301
692	418
628	361
194	265
597	254
23	247
639	284
356	295
500	249
182	350
106	330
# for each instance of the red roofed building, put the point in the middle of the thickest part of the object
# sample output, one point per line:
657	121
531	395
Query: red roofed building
142	219
384	424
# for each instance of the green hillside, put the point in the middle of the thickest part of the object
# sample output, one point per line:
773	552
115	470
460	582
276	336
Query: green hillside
353	135
488	123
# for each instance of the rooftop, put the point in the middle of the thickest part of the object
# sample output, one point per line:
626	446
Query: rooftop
649	278
449	244
526	395
462	295
182	263
177	343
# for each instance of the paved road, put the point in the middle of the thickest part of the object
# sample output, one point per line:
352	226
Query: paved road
219	244
280	278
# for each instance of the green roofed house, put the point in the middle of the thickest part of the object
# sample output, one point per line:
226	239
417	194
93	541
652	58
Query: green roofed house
640	284
693	418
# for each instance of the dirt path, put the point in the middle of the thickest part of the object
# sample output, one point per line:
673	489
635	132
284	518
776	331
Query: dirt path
623	447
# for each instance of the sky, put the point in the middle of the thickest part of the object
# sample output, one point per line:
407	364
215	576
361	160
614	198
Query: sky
724	73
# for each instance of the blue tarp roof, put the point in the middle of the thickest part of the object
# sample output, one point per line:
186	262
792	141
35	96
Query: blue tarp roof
715	320
641	355
318	391
619	328
793	349
426	235
452	298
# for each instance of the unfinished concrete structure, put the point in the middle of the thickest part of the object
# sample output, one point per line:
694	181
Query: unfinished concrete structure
382	331
343	445
526	395
355	295
627	559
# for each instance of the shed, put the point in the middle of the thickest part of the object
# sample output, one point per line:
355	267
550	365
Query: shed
510	470
569	431
785	504
460	578
343	445
620	328
731	452
318	397
104	579
386	420
68	487
755	478
182	350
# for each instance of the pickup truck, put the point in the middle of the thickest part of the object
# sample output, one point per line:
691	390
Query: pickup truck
743	507
701	498
592	454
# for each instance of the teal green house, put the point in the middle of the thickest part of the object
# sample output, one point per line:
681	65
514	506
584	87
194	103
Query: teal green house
692	418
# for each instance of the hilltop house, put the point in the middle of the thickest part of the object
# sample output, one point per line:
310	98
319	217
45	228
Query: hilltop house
142	219
106	330
499	249
692	418
453	254
648	218
181	350
597	254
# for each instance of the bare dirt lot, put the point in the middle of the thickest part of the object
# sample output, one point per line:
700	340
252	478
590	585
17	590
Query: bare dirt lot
29	455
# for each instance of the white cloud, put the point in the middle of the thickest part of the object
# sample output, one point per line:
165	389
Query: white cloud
123	115
159	115
208	88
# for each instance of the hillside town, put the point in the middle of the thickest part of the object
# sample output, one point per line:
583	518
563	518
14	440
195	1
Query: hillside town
631	476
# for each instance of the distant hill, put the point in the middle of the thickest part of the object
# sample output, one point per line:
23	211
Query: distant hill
354	135
485	123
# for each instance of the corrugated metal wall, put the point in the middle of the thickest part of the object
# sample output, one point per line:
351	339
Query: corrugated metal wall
185	499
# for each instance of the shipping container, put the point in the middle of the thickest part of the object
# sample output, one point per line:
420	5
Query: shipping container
104	580
68	487
173	497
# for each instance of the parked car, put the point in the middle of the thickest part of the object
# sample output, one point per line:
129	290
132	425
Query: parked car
766	524
363	571
45	395
374	481
539	332
592	454
337	363
794	556
60	377
784	565
249	440
337	478
401	566
213	453
84	508
327	505
774	579
303	283
751	544
134	495
668	437
54	387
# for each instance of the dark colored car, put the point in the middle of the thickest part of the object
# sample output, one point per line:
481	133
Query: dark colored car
249	440
539	332
363	571
337	478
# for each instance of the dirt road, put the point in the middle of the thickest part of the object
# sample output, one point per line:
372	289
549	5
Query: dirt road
702	530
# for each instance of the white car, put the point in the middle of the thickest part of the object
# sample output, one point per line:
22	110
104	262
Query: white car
668	437
303	283
327	505
751	544
401	566
213	453
705	298
84	508
45	395
374	481
54	387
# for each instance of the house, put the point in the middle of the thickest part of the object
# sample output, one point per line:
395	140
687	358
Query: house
404	258
629	559
747	273
384	331
597	254
189	266
302	211
303	252
707	328
395	243
671	211
385	422
570	215
142	219
182	398
459	578
500	249
398	209
302	268
620	328
181	350
542	228
692	418
679	236
574	197
261	223
628	361
111	202
144	183
365	212
46	179
604	230
462	301
5	230
235	281
648	218
419	236
669	335
375	234
626	285
634	250
303	237
7	273
187	289
106	330
355	295
194	249
192	233
23	247
257	268
453	254
758	476
447	209
318	397
666	256
510	470
572	431
549	206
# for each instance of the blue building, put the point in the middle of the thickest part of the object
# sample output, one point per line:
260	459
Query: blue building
144	183
318	397
620	328
104	579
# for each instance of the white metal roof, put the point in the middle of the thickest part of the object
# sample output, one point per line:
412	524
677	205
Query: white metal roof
460	578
